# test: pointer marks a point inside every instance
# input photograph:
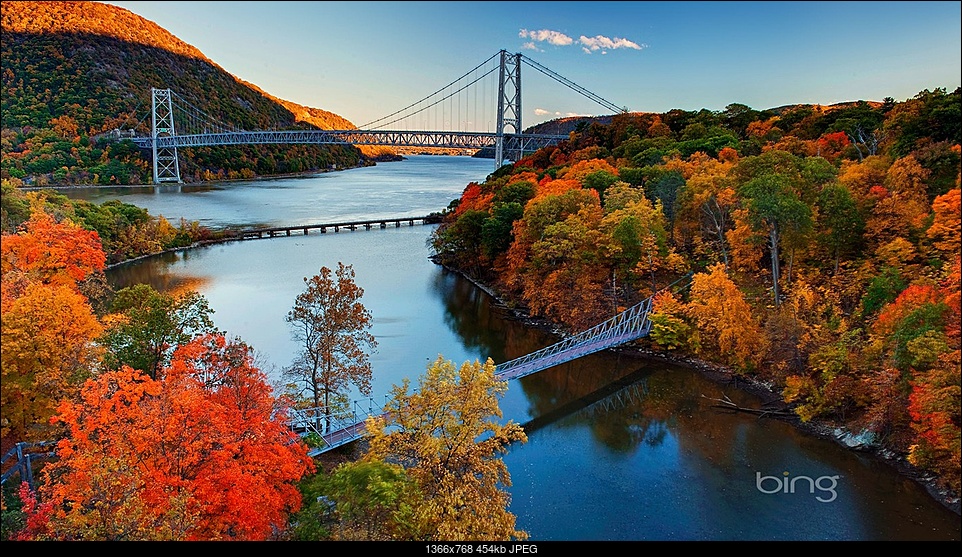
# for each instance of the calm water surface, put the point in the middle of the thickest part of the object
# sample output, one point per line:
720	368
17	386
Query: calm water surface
618	448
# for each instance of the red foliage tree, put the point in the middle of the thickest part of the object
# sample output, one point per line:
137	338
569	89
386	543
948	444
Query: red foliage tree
48	252
202	454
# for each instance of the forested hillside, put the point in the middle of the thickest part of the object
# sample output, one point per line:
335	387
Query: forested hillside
823	242
74	71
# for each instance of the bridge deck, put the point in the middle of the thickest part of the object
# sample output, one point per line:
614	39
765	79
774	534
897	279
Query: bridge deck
275	231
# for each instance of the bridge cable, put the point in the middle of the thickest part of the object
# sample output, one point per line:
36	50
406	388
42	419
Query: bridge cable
435	103
208	119
365	126
134	112
574	86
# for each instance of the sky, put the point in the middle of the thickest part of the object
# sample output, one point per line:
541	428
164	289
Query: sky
366	60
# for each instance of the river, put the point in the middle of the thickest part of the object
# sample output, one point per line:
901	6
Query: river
618	448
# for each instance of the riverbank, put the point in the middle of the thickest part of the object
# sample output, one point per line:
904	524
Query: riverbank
305	174
772	404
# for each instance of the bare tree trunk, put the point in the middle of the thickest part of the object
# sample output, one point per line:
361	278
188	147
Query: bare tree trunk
717	217
773	241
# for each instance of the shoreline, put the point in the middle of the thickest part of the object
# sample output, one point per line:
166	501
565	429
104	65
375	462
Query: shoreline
305	174
723	375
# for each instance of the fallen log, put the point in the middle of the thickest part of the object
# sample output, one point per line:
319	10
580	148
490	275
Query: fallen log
727	404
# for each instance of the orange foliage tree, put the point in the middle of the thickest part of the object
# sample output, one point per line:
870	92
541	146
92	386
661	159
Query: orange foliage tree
48	352
202	454
908	337
541	212
724	320
900	209
48	252
564	279
946	228
707	202
48	326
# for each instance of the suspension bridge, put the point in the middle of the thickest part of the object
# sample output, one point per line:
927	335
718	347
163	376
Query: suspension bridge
178	123
631	324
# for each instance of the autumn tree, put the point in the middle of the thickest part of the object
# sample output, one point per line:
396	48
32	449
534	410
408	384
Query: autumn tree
448	437
900	206
146	326
707	202
49	252
746	245
636	239
203	453
331	326
366	500
553	260
724	320
48	327
833	384
934	400
565	277
48	352
775	208
907	335
946	229
670	326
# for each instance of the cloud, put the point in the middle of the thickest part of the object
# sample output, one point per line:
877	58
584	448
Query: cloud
604	44
543	112
556	38
589	45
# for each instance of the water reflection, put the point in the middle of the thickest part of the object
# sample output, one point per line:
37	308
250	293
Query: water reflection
654	461
145	273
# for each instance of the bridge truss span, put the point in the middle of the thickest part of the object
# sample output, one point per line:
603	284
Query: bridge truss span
631	324
440	139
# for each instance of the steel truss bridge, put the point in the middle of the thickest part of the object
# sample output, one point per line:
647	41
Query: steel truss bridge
338	429
177	123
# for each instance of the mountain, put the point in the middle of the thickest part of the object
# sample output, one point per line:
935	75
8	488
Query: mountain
72	71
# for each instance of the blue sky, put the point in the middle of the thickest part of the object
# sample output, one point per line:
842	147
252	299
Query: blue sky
365	60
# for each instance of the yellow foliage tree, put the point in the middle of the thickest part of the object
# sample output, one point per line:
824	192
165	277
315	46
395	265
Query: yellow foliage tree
47	353
448	438
725	321
947	224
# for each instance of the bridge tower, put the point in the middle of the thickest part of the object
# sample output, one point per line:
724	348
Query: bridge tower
509	106
166	167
